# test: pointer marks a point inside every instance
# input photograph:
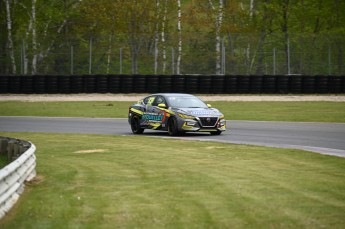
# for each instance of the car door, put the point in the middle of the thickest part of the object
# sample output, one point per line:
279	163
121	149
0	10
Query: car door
159	113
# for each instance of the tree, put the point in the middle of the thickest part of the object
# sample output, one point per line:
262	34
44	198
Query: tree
10	37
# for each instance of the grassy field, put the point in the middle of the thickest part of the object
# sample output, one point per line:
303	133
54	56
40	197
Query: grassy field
260	111
94	181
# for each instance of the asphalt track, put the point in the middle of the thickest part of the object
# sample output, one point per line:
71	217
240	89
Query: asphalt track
324	138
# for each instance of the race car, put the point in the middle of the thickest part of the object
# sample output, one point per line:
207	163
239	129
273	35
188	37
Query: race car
176	113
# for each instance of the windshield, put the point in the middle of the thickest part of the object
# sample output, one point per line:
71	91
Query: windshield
186	102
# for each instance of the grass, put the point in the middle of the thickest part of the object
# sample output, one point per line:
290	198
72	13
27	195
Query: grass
98	181
258	111
3	160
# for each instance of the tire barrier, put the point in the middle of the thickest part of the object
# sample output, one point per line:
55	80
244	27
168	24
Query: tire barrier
282	84
243	84
204	84
140	83
256	84
126	82
13	176
193	84
3	84
295	85
166	84
178	83
77	84
230	85
39	84
114	83
152	85
52	84
217	84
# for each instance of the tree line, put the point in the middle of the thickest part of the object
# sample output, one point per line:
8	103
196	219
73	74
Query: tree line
172	37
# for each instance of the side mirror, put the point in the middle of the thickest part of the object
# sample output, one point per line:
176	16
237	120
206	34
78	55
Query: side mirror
162	105
209	105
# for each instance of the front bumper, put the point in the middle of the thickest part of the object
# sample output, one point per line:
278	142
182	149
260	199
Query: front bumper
198	125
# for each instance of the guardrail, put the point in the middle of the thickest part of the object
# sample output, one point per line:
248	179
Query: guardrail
14	175
195	84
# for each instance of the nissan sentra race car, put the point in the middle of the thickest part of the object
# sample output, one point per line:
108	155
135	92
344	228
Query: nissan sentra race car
175	113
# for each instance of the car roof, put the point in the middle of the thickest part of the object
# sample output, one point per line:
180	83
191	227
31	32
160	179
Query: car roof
174	94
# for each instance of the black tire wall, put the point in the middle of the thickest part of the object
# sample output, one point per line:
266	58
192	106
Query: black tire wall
193	84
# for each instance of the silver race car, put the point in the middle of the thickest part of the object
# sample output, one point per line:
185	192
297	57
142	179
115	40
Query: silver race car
175	113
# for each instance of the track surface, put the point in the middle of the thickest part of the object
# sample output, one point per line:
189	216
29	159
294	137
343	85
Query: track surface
325	138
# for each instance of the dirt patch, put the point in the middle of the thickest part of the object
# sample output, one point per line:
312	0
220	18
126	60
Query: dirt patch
34	181
91	151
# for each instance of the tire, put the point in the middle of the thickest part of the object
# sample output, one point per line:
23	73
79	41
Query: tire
218	132
135	125
172	127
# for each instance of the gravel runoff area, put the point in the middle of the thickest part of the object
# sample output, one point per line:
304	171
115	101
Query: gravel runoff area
135	97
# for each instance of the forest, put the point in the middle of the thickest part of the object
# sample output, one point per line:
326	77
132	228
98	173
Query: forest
172	37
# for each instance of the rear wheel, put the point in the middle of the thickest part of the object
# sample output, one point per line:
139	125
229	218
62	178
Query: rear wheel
218	132
172	127
135	125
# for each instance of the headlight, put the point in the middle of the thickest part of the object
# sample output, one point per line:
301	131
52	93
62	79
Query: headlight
185	116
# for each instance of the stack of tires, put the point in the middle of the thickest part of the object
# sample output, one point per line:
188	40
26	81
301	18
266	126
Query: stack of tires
178	83
126	82
321	84
335	84
3	84
139	82
217	84
308	84
243	84
205	84
282	84
76	82
269	84
64	85
14	84
230	84
152	84
39	84
191	84
295	84
114	83
101	83
165	84
27	86
256	84
52	84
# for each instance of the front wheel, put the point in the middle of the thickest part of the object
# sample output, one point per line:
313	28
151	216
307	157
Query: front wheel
135	125
172	127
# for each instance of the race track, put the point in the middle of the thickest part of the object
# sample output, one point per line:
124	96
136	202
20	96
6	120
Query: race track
325	138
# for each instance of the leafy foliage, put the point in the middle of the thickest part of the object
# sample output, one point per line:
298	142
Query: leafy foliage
260	38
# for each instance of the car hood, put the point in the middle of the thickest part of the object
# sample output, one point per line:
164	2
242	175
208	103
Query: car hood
200	112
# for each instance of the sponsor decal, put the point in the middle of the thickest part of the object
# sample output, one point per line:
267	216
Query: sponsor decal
203	112
154	117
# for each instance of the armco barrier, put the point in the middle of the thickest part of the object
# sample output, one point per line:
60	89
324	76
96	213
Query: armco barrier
194	84
13	176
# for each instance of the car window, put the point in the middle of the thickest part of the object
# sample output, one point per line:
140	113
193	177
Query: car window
186	102
159	100
149	100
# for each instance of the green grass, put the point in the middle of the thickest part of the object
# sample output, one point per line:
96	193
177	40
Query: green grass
260	111
3	160
98	181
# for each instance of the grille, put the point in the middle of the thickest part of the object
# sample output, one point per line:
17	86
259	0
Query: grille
208	121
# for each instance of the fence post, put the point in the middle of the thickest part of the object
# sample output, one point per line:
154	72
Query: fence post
120	60
274	61
72	63
90	57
